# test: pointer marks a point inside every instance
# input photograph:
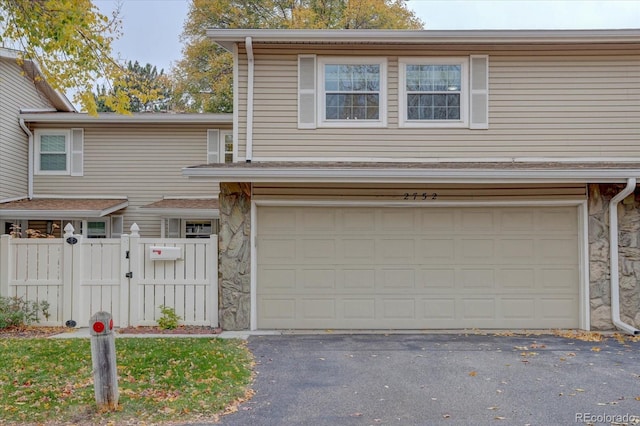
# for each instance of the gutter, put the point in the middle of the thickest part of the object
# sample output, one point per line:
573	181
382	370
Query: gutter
30	160
250	82
613	256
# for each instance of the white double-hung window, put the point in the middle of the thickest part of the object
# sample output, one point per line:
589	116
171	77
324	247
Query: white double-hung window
59	151
439	92
352	92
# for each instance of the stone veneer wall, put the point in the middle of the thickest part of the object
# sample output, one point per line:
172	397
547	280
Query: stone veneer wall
234	270
629	257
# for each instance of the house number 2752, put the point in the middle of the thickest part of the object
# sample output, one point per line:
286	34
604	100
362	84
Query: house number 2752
419	196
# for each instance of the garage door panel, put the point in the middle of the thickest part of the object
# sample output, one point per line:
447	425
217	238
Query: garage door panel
318	279
359	279
398	309
478	308
435	251
394	220
475	250
437	278
397	279
358	250
477	278
438	309
277	250
560	279
359	220
360	309
517	278
518	308
512	249
451	268
478	221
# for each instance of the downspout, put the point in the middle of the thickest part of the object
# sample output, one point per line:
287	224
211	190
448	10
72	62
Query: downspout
613	256
250	64
30	160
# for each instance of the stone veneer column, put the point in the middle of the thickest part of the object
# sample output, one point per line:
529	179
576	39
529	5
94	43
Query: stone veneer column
629	252
234	268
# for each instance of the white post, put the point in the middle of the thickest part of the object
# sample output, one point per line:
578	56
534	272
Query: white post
212	288
5	254
134	269
125	267
67	277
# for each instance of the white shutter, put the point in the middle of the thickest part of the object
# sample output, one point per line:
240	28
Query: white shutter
174	228
77	147
479	98
306	91
213	146
117	226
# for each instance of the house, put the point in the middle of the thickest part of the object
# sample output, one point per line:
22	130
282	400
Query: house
431	180
103	173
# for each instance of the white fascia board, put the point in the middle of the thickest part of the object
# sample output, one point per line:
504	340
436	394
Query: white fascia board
114	208
51	214
183	213
111	118
226	38
411	175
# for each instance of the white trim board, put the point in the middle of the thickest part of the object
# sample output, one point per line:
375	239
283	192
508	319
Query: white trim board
583	238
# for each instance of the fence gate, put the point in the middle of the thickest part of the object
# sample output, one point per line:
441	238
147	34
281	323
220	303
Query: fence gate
78	277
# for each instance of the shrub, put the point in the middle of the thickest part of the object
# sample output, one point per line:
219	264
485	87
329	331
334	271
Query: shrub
169	319
15	311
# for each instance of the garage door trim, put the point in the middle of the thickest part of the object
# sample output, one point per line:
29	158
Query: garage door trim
583	239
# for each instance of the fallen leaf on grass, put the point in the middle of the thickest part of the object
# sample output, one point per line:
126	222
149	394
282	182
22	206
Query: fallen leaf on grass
579	390
473	373
595	349
521	348
446	416
500	418
492	408
356	415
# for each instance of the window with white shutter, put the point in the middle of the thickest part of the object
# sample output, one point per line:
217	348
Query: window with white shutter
479	92
213	146
307	91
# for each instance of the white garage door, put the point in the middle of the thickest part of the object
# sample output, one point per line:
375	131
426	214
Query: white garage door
417	268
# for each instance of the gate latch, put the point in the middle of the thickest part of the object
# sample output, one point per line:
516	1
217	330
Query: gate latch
129	275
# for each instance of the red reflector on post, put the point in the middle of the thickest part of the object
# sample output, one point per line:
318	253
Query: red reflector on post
98	327
111	324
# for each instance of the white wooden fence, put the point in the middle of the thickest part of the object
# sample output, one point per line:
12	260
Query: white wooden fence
78	277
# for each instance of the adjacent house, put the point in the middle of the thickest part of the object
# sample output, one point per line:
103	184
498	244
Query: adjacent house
104	173
431	180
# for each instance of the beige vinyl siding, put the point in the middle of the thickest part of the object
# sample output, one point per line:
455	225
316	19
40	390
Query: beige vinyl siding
544	101
143	163
432	192
16	92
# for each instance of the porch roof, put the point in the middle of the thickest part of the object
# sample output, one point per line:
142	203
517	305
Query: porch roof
61	208
418	172
184	207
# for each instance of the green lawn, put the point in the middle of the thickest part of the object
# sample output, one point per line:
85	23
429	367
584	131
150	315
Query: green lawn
175	379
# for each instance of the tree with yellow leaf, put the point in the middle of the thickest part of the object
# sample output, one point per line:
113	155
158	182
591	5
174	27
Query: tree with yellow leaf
71	42
203	78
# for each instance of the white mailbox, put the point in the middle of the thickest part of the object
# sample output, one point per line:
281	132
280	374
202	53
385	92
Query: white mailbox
165	253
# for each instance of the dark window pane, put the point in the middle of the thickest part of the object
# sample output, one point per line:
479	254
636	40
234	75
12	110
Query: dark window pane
440	113
454	113
440	100
373	113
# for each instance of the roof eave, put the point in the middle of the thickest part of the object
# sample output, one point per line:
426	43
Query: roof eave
226	38
391	175
144	118
183	213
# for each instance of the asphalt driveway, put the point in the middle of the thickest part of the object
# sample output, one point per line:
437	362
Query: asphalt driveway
446	379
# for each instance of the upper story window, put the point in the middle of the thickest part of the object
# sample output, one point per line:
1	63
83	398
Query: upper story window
219	146
59	151
352	92
433	92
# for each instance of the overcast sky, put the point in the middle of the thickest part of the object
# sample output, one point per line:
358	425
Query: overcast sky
152	28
